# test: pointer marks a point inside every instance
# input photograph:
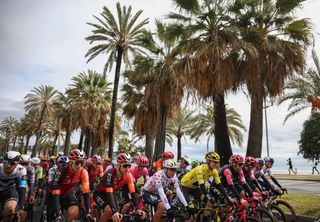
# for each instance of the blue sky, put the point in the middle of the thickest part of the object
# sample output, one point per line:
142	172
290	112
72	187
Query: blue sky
42	42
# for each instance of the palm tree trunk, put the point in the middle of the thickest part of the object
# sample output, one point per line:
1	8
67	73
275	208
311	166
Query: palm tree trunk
161	133
88	142
27	144
149	146
222	140
38	131
81	140
67	139
14	143
179	147
114	101
7	141
256	122
54	145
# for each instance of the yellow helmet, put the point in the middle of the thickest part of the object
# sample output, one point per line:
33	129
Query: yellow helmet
107	159
212	156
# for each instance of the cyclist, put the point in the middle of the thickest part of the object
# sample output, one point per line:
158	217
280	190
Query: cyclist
158	164
194	181
44	164
250	163
182	168
233	180
154	193
13	183
39	175
268	163
118	179
140	170
65	184
95	170
25	161
61	164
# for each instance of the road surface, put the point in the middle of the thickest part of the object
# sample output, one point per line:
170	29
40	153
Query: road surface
303	187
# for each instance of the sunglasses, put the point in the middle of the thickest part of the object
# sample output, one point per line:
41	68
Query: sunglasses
78	162
126	165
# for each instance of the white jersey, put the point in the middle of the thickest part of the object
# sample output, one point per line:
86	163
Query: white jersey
159	181
267	171
18	178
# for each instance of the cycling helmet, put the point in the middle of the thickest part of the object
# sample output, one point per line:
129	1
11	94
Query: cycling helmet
251	160
96	158
195	163
35	160
269	160
236	159
62	159
124	158
168	155
186	160
143	161
24	158
170	164
53	157
12	156
212	156
61	153
260	161
107	159
77	154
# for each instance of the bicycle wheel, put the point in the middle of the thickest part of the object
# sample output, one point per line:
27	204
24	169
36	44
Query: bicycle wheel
263	215
278	214
96	213
252	219
291	215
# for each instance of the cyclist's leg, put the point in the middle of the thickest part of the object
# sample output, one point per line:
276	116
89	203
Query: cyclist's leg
70	203
100	200
155	201
126	204
10	199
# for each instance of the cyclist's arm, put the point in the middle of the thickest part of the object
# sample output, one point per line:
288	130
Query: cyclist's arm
228	175
199	173
132	190
109	191
218	184
145	173
32	182
100	172
179	193
244	184
86	190
40	178
22	188
275	181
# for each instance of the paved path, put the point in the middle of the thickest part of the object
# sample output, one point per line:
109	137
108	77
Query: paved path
304	187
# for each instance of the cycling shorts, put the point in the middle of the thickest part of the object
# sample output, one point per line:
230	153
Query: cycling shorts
151	198
68	200
196	193
9	194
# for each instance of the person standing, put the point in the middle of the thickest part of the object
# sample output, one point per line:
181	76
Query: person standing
290	167
314	166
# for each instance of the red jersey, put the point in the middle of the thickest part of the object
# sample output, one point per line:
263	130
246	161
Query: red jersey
94	171
68	179
157	165
110	182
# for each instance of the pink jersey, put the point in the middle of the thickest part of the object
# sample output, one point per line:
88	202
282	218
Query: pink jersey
137	174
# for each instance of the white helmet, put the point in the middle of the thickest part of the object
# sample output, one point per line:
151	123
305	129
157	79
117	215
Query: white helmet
12	156
35	160
170	163
24	158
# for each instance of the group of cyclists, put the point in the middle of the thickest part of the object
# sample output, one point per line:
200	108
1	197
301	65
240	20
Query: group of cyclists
72	183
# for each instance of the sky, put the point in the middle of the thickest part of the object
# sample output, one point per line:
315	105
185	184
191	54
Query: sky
42	42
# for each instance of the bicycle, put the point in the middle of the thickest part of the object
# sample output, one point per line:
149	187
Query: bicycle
273	202
257	211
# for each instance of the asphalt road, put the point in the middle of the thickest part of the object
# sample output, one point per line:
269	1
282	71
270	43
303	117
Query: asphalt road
303	187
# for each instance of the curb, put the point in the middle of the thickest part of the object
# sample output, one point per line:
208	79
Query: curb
304	218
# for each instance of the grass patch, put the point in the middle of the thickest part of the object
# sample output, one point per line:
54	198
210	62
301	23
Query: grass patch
304	204
298	177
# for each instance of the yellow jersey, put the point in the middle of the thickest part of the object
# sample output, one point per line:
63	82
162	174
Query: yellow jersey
200	175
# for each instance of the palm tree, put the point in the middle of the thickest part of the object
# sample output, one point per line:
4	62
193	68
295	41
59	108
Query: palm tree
118	39
90	95
29	125
303	90
210	56
180	125
280	40
7	129
41	100
204	124
162	87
